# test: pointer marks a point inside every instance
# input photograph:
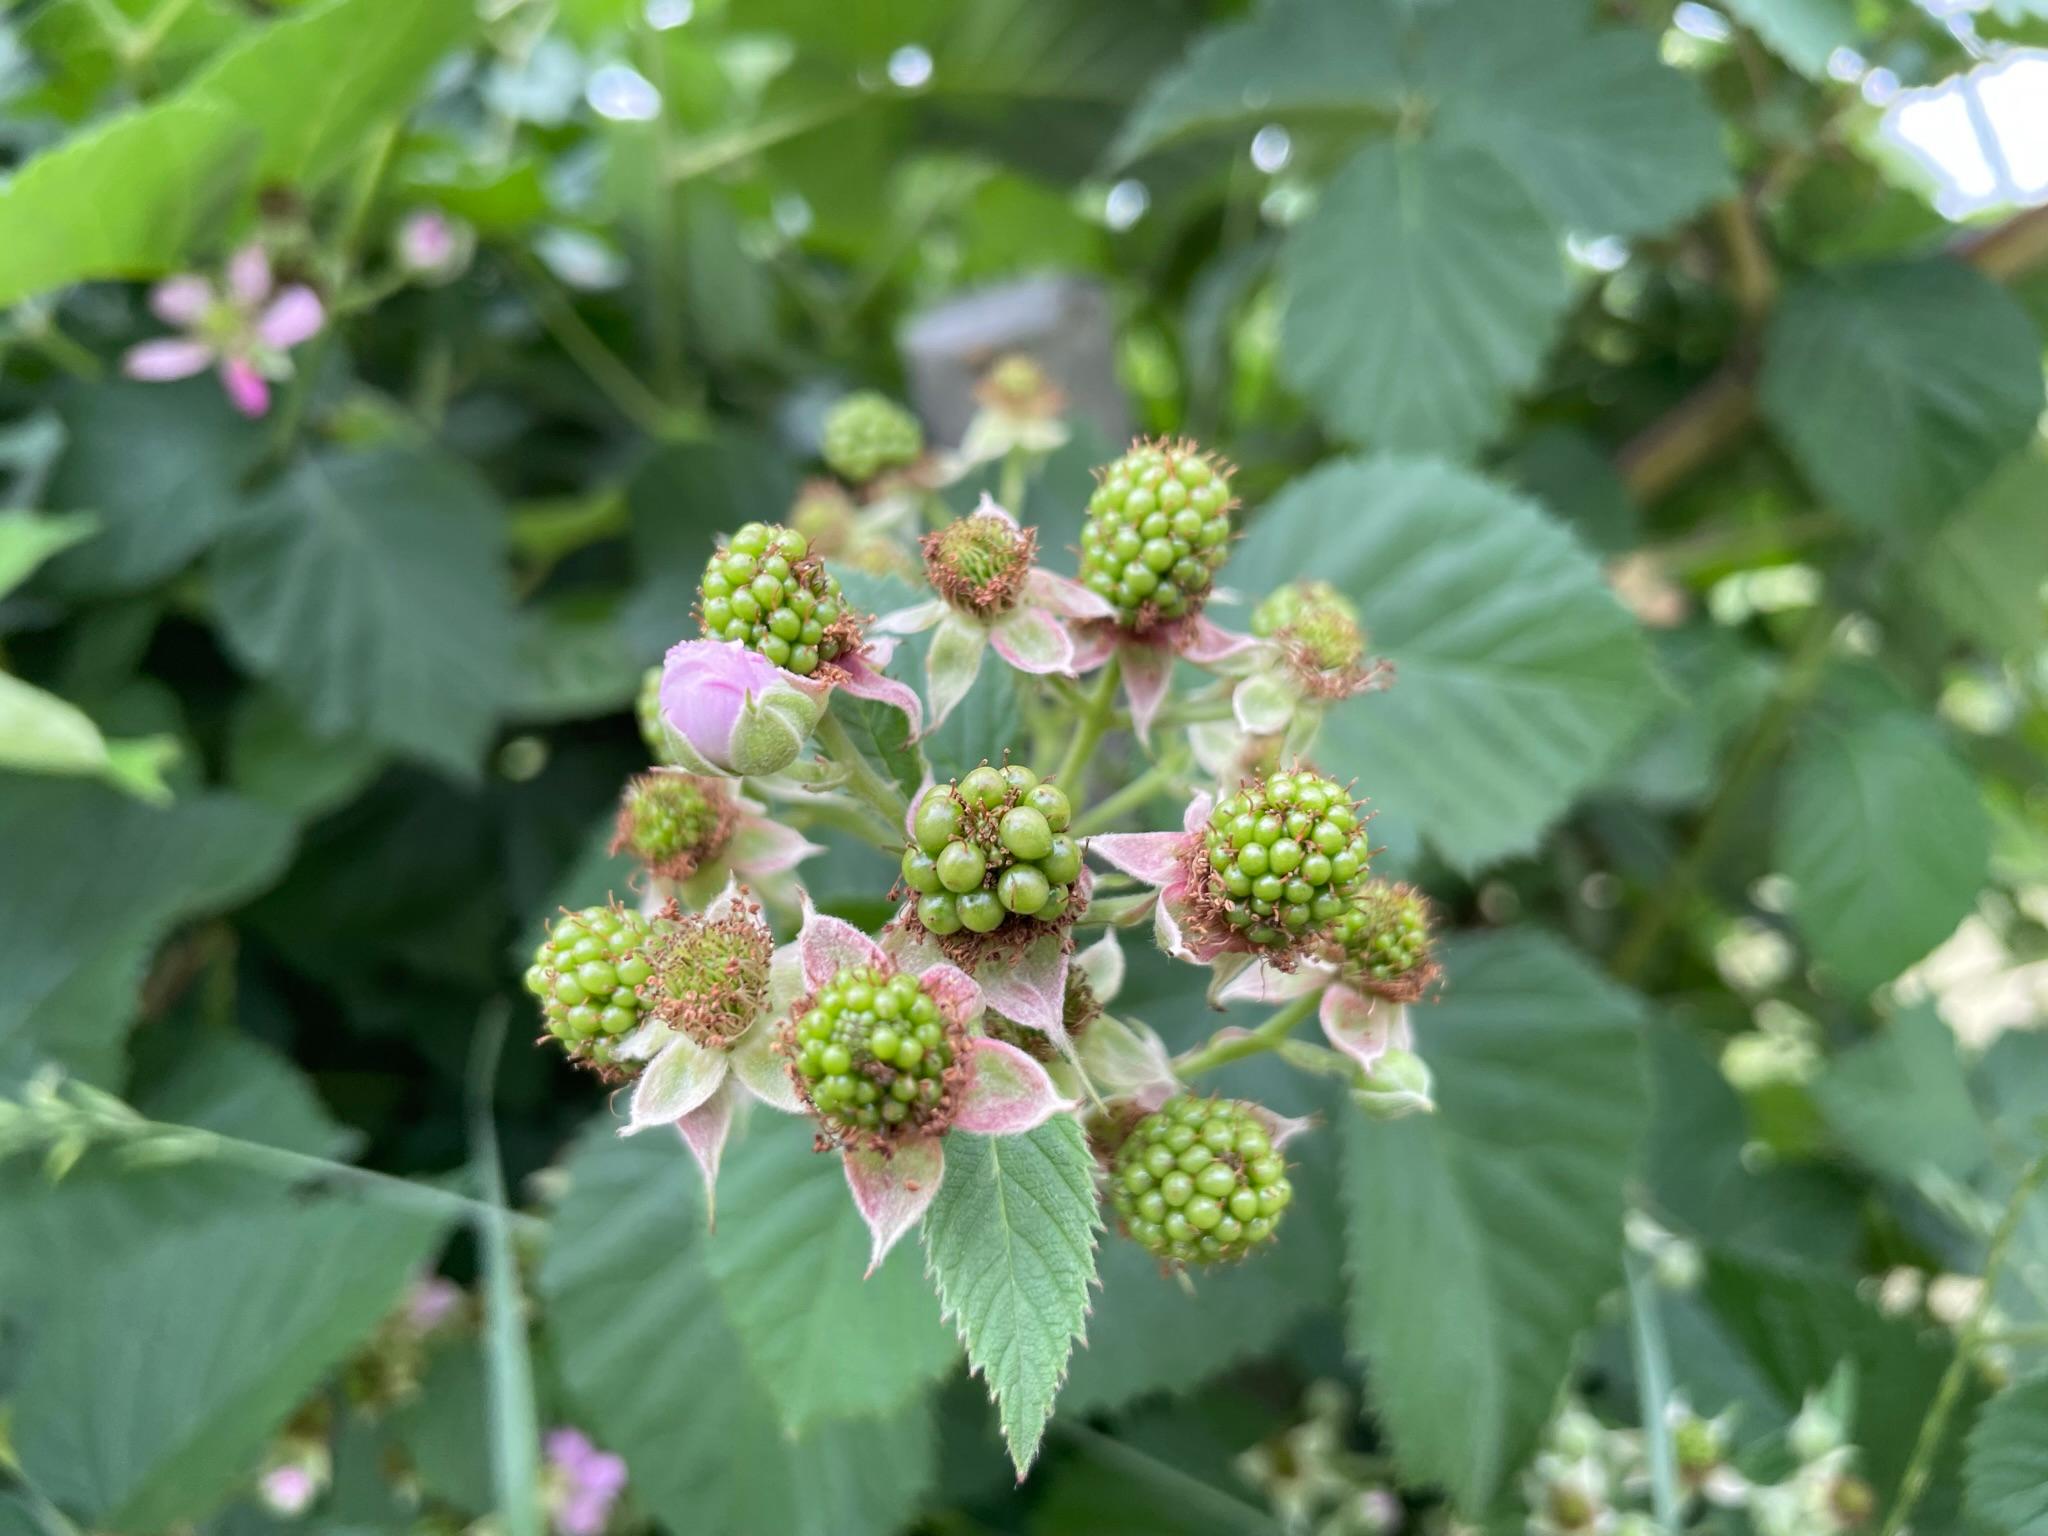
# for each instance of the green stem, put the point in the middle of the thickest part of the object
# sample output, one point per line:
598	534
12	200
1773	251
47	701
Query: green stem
831	738
1222	1050
853	819
1104	813
1920	1470
1010	488
514	1421
1653	1390
1194	712
1094	721
1185	1492
1801	677
602	366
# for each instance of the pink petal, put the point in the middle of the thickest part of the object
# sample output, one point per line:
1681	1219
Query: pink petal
1262	982
1363	1028
704	1130
762	847
914	620
171	358
959	999
1032	640
1033	989
249	279
1094	644
1206	643
754	1060
952	664
988	506
892	1190
864	682
294	316
682	1077
1064	596
244	385
1148	673
829	945
1007	1092
1199	810
181	301
1153	857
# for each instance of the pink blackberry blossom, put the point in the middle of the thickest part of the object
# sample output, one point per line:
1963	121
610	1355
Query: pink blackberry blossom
244	330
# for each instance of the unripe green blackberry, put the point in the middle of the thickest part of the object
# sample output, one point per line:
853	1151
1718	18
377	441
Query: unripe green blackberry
978	563
1382	941
1286	854
655	730
991	852
1315	621
585	973
710	975
1158	529
1199	1181
674	822
765	589
867	433
873	1054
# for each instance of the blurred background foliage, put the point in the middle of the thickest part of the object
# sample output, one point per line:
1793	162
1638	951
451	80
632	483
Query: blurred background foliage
1663	383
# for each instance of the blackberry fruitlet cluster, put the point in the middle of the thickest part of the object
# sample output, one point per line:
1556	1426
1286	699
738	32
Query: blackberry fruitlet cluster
867	433
1383	938
978	563
991	847
765	589
1158	528
585	973
1287	852
655	730
871	1052
673	822
1198	1181
1315	620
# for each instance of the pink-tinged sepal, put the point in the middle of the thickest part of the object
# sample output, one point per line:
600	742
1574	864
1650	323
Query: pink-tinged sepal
1361	1027
730	899
1263	705
988	506
704	1131
1226	968
1065	597
677	1081
914	620
1127	1061
1397	1085
1282	1128
1153	857
862	677
1264	982
1032	640
1148	673
1102	963
829	945
892	1190
1209	644
952	664
753	1060
1032	989
1007	1093
763	847
956	993
1094	644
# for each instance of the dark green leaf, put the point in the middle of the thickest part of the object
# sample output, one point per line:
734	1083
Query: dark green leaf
1899	1101
2007	1468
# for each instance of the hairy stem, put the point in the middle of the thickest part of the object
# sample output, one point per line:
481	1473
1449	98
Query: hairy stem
1095	715
1933	1428
1222	1049
831	738
1104	813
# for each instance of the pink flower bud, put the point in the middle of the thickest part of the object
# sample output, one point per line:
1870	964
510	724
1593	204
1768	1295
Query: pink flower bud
735	710
433	246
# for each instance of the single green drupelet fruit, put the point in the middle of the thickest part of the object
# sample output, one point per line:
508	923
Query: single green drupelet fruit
867	433
1314	619
1198	1181
1383	937
673	822
1158	529
655	730
989	848
765	589
585	973
1287	852
871	1053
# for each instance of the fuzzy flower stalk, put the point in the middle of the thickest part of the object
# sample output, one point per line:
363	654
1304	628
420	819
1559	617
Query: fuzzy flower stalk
990	593
244	329
888	1060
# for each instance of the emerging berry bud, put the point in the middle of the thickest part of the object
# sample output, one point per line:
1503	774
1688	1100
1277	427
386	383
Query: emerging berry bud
766	590
1198	1181
1382	942
867	433
709	975
1316	625
733	711
1285	855
1158	528
674	822
874	1056
991	853
585	973
1395	1086
978	563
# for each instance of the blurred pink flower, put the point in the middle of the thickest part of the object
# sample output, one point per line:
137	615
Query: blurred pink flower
244	330
582	1483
